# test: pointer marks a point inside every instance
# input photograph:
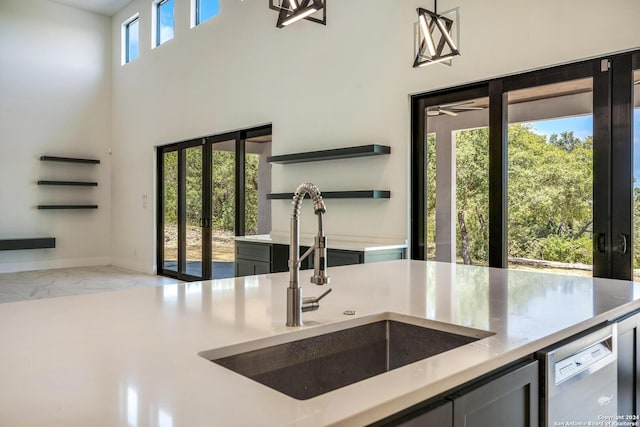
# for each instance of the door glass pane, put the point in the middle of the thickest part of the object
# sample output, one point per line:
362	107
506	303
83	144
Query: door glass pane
193	209
550	178
430	218
170	210
223	192
457	212
636	175
257	186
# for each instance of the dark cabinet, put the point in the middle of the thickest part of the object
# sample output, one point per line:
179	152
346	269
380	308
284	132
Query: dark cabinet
259	258
506	398
337	257
262	258
629	364
251	268
511	400
252	258
438	414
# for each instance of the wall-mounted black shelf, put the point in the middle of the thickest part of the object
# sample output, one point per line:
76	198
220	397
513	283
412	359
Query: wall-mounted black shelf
46	207
30	243
68	159
358	194
332	154
70	183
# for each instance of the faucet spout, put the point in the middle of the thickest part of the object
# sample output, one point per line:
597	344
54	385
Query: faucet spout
295	303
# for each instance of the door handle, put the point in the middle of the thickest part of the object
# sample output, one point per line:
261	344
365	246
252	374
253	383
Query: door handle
622	243
601	243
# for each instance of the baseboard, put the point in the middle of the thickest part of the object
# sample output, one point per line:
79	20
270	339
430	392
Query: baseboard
14	267
135	265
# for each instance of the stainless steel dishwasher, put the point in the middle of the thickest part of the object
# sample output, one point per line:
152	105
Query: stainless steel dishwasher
580	379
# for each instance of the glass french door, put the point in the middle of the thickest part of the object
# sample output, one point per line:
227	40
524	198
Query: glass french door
183	229
547	161
209	191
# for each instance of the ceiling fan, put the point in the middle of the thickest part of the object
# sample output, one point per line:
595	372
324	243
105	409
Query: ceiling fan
451	109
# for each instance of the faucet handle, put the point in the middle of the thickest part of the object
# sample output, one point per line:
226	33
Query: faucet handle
313	303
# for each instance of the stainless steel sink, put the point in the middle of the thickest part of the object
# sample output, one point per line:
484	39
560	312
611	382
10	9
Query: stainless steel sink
308	366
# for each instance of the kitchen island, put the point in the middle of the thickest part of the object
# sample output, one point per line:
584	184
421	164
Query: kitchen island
132	357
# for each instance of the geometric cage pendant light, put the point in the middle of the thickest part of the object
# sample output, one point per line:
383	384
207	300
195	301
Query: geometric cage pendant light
435	38
291	11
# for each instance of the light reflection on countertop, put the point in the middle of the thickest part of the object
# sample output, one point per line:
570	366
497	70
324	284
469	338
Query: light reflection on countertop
130	358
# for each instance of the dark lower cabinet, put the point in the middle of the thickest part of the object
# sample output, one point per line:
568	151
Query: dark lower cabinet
252	258
258	258
511	400
251	268
629	365
438	414
506	398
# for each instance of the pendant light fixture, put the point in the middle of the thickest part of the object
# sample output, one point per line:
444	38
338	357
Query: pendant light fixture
435	42
291	11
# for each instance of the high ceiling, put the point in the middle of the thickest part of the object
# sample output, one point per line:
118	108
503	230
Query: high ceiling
103	7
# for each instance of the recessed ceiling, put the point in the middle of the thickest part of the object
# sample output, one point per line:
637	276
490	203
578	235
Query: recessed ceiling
103	7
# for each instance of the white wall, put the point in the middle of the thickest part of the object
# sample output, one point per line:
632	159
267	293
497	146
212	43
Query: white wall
322	87
55	99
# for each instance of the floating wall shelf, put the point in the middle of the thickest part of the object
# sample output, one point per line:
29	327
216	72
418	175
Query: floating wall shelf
31	243
68	159
67	207
359	194
333	154
71	183
75	160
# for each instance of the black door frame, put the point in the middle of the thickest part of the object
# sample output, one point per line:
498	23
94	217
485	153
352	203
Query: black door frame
207	142
613	156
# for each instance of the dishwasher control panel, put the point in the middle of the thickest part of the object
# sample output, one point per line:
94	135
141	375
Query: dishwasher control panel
581	361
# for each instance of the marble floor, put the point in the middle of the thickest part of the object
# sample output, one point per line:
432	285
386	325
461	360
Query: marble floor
30	285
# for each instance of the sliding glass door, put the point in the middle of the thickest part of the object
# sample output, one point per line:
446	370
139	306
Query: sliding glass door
209	189
533	171
181	219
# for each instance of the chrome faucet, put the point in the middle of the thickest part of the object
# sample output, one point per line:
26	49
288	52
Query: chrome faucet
295	303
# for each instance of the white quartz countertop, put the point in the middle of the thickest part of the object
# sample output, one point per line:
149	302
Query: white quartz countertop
130	358
333	242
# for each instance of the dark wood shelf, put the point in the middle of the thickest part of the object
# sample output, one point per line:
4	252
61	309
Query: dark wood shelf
68	159
70	183
30	243
333	154
67	207
358	194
